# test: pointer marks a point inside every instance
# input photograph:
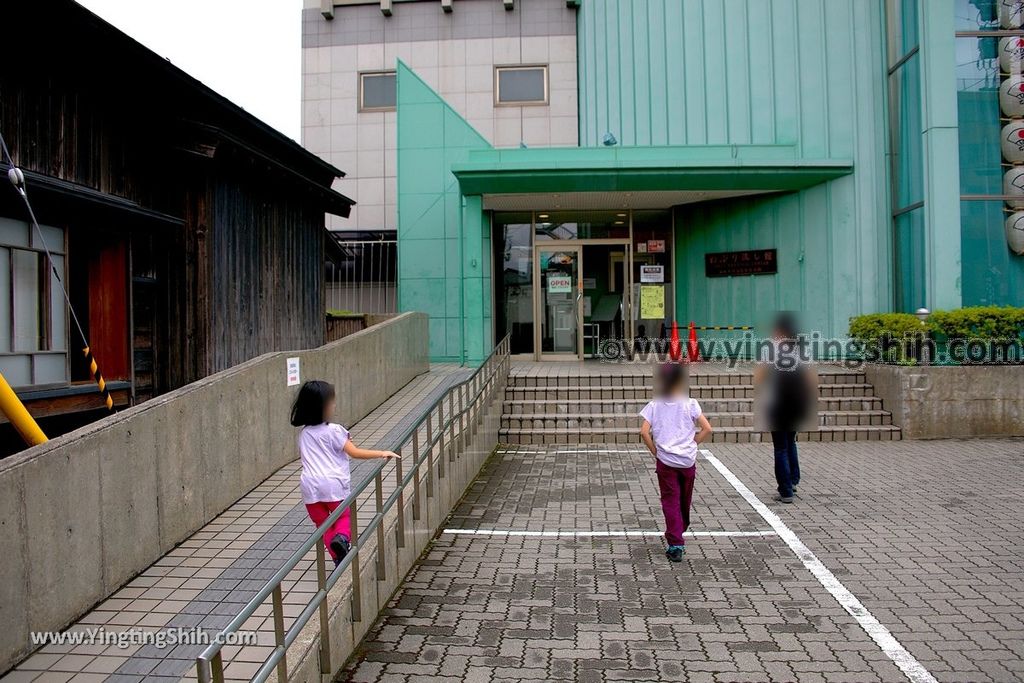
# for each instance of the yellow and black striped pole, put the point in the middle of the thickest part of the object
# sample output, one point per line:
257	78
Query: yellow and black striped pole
94	371
724	328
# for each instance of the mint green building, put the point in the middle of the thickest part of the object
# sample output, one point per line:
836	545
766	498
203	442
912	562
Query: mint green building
574	172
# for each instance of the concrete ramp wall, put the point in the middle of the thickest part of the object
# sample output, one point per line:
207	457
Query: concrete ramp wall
85	512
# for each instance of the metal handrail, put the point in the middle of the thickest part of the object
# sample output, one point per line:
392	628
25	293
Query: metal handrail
209	664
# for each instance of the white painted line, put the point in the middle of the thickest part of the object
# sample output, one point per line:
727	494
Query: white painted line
568	451
600	534
912	668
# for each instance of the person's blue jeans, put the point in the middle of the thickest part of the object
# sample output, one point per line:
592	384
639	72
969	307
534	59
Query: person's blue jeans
787	465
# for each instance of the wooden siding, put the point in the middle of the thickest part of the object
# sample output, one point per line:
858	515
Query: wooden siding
242	271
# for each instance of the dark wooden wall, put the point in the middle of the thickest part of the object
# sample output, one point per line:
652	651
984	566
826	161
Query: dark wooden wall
241	273
266	252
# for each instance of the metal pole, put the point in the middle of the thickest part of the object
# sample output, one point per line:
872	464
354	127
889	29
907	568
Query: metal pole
378	485
416	474
357	583
451	414
440	438
19	416
400	528
282	666
430	459
325	632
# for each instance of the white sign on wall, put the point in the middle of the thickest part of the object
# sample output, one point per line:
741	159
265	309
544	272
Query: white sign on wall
652	273
559	284
292	369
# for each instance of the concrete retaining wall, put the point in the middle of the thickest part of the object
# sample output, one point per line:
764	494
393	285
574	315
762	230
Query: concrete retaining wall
933	402
85	512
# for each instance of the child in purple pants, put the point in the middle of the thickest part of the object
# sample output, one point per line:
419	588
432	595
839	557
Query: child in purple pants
673	427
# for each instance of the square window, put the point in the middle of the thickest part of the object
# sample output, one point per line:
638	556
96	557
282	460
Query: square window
518	85
377	91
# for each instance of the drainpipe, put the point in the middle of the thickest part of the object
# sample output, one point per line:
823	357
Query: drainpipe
462	278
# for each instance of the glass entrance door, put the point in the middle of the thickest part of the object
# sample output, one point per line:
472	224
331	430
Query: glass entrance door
559	293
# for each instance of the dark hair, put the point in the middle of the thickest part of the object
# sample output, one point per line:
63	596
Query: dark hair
671	377
309	405
786	325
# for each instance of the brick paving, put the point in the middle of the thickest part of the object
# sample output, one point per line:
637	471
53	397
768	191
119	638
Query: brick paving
209	577
925	534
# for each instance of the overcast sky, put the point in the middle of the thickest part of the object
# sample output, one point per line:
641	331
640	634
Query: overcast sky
250	51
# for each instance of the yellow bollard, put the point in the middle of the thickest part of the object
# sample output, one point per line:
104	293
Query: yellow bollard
15	411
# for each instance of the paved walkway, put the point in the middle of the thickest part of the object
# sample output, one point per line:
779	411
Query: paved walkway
207	579
925	535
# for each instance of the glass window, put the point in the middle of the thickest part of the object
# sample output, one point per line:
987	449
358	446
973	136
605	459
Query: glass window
907	128
377	91
902	19
997	273
514	279
977	79
989	15
910	261
521	85
33	313
582	225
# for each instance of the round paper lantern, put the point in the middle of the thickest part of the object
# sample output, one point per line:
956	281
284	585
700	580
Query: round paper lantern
1013	141
1015	232
1011	96
1011	54
1013	186
1011	13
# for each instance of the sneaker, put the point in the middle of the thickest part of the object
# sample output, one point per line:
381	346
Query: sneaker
675	553
784	499
340	547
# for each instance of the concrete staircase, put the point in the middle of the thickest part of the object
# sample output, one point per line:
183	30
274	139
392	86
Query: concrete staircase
591	406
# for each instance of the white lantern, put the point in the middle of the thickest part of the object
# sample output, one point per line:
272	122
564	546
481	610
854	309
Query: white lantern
1011	54
1011	96
1015	232
1011	13
1013	141
1013	186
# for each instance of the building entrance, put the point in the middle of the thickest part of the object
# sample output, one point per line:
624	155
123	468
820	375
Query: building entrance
583	296
568	283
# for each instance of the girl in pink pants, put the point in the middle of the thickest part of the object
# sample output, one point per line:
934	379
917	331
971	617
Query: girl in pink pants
673	427
325	449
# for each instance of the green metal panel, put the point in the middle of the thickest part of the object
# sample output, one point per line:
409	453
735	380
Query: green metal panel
442	250
807	75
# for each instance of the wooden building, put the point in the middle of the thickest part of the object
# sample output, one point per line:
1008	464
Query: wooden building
190	234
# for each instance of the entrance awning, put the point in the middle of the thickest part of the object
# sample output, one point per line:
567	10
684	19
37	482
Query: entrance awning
717	170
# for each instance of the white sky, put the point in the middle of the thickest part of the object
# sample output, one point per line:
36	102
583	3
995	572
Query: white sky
249	51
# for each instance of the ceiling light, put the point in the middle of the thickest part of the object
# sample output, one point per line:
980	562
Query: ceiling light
620	222
542	215
621	215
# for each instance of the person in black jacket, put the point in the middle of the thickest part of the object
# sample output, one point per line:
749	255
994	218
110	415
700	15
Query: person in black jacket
786	386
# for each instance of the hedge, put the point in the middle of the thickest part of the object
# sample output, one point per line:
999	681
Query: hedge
1002	323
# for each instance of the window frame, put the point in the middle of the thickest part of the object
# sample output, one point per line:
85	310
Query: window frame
383	72
499	68
48	344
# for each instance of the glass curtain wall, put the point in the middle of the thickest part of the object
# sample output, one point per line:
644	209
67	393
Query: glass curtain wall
905	127
990	109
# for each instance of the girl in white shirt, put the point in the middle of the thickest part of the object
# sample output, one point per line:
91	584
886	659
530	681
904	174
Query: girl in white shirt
673	427
325	449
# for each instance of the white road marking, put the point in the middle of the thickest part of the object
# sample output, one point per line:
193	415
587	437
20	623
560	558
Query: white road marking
600	534
912	668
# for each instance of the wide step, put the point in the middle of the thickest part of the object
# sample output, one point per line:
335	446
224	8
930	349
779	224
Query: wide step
631	435
592	407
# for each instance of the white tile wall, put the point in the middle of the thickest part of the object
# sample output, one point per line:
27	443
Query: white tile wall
462	71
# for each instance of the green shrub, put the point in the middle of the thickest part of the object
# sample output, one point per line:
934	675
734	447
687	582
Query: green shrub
888	337
1000	323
